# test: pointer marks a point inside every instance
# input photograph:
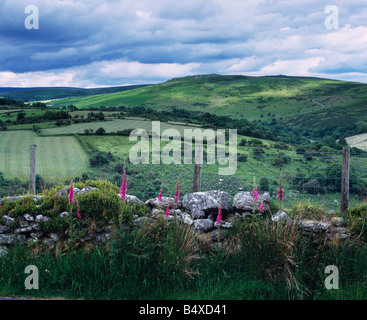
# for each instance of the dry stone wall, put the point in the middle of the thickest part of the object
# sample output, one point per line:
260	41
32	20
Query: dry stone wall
198	210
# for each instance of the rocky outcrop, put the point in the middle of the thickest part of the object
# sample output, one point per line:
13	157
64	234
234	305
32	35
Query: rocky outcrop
322	230
11	238
281	216
203	225
64	192
185	218
27	228
11	199
317	231
134	200
314	227
338	221
244	202
156	204
206	204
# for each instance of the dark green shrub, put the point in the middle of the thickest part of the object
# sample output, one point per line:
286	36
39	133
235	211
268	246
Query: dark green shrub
100	131
258	153
128	210
101	185
333	172
264	184
99	159
359	229
277	162
255	142
100	205
308	156
8	205
242	157
55	225
281	146
274	206
40	184
359	211
119	168
20	207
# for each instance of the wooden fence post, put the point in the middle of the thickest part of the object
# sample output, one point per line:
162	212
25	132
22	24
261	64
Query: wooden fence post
345	180
198	167
32	178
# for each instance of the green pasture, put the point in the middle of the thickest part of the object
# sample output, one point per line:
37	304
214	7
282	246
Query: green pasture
29	126
61	156
12	114
110	126
145	180
58	158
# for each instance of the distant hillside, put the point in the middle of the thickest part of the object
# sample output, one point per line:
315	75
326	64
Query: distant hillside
359	141
282	98
42	94
7	89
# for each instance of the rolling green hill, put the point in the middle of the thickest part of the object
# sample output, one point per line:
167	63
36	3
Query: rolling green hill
42	94
253	98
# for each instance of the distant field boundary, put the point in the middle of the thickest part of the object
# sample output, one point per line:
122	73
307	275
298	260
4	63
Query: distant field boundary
136	118
184	124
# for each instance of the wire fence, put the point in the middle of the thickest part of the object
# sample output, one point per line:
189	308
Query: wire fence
315	176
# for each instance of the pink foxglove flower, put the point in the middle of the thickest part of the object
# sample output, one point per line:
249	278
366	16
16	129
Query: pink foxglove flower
160	195
219	217
280	193
177	189
280	190
167	209
71	193
261	208
256	194
78	209
123	186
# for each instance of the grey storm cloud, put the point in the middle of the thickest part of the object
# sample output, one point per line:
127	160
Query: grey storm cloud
95	43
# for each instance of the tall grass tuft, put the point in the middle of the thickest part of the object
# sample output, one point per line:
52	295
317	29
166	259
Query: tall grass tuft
161	251
267	250
308	210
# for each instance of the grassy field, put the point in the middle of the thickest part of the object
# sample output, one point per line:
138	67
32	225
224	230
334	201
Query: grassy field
145	180
58	158
253	98
110	126
359	141
29	126
12	114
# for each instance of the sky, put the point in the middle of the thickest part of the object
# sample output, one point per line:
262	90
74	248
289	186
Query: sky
94	43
